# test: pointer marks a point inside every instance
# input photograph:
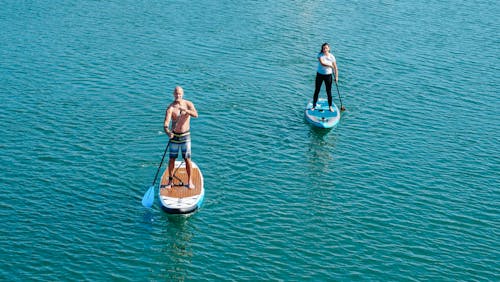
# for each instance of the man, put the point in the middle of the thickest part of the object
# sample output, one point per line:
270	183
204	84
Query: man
177	123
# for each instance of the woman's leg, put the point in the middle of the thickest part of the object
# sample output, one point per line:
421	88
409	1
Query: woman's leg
317	88
328	84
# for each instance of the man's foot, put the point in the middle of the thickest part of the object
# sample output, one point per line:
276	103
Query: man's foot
167	186
312	109
331	109
190	186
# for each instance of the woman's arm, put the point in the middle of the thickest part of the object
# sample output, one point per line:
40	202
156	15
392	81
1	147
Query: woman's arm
335	71
323	62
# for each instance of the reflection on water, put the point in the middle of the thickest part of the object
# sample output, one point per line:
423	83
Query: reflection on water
148	219
177	248
319	133
173	246
320	151
321	169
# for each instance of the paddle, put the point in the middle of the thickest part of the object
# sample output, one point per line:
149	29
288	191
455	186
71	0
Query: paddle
342	108
175	176
149	196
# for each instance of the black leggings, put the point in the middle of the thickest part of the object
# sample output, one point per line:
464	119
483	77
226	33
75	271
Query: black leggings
327	78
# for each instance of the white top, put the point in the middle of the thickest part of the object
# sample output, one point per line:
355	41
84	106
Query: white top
328	59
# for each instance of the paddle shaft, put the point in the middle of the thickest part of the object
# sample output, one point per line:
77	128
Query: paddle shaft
338	92
162	158
173	174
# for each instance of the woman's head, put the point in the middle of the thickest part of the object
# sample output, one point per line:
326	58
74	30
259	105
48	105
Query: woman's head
324	47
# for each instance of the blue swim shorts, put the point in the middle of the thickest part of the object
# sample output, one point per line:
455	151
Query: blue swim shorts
180	141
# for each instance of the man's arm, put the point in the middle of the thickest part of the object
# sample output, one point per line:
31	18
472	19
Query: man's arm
166	123
190	110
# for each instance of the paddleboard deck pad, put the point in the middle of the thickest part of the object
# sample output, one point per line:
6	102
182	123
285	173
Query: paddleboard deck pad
179	199
321	116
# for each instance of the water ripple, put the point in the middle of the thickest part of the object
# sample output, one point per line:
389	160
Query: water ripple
405	188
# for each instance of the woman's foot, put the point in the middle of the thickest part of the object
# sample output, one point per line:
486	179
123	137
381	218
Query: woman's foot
190	186
331	109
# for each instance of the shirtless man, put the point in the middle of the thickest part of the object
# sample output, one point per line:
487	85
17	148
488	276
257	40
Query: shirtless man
177	117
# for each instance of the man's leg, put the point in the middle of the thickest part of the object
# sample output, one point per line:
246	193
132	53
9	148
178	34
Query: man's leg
174	152
186	154
190	184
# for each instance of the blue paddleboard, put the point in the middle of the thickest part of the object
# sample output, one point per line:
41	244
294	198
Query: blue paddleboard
322	117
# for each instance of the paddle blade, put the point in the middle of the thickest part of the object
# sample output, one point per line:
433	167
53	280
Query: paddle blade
149	197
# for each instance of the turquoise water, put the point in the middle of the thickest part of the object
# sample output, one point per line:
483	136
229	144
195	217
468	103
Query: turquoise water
406	188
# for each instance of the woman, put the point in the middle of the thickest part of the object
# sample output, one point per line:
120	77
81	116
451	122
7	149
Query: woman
326	66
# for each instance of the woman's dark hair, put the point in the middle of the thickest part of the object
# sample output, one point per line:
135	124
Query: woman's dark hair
323	46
